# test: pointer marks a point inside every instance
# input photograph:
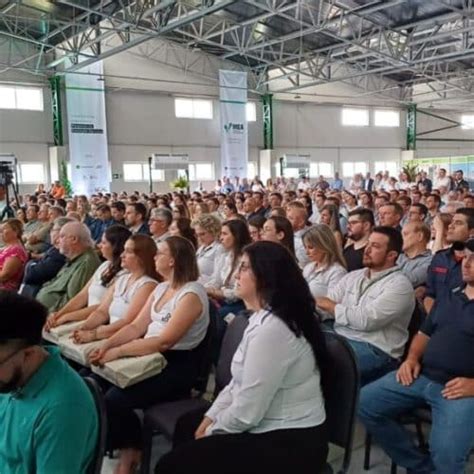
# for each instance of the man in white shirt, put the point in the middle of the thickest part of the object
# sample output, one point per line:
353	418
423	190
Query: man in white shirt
298	216
442	180
373	306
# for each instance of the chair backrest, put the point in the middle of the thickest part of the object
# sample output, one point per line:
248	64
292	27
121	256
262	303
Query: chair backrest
205	350
232	337
96	464
341	394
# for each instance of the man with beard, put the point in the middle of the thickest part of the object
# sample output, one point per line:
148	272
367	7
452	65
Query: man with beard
359	224
47	413
372	307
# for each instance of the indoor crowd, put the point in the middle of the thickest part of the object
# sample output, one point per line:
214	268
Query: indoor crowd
145	273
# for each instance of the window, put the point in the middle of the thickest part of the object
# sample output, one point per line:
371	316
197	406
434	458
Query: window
251	111
320	168
140	172
22	98
467	122
355	117
350	168
201	171
193	108
387	118
390	166
31	173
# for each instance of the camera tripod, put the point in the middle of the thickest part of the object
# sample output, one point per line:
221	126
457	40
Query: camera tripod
6	180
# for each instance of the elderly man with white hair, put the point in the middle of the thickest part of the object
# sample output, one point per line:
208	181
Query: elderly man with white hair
75	243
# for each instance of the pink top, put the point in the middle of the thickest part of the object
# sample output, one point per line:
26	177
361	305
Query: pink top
13	251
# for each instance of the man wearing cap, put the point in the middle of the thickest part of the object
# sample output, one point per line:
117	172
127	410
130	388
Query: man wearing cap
439	372
48	417
444	273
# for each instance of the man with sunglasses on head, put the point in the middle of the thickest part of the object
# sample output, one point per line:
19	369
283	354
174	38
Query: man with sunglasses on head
48	416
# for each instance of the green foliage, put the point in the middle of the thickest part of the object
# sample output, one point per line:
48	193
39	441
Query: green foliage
411	169
64	179
180	183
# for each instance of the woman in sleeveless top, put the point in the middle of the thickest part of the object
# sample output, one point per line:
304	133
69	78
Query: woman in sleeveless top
174	321
123	302
88	299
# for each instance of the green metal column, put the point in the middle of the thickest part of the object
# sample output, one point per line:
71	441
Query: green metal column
411	127
55	83
267	121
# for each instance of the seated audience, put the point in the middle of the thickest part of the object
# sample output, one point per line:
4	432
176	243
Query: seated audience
38	272
181	227
91	296
444	272
208	229
359	224
221	286
159	222
117	210
102	221
255	225
278	229
327	265
417	213
13	256
433	203
415	258
121	305
32	222
439	232
174	321
372	307
76	245
48	415
296	214
438	372
390	215
274	403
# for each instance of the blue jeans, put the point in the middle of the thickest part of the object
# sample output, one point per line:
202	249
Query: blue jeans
452	432
373	363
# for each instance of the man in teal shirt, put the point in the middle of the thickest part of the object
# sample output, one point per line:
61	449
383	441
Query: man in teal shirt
48	418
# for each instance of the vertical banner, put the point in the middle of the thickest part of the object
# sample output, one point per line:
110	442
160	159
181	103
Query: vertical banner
234	131
87	129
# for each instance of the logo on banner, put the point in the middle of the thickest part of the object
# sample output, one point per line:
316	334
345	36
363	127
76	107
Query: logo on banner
235	127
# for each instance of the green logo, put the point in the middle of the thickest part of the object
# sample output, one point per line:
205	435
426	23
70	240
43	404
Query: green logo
239	127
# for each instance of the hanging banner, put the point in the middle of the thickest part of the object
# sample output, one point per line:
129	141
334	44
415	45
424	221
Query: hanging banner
87	129
234	131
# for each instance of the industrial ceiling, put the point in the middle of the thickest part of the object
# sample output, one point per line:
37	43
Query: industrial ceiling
398	51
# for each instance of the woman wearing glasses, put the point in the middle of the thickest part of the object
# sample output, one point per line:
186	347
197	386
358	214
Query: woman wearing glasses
272	412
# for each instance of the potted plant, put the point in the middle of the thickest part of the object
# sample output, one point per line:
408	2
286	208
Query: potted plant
180	184
411	170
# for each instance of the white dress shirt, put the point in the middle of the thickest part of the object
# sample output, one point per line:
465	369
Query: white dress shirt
206	258
321	278
300	251
223	276
275	382
376	310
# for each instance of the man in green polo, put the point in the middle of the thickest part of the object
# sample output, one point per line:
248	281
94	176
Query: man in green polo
48	418
75	243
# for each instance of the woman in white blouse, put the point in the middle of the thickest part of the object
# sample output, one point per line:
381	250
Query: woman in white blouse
122	304
221	286
173	321
271	415
327	265
208	229
88	299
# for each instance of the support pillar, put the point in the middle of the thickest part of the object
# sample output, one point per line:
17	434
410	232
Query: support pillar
267	121
55	84
411	127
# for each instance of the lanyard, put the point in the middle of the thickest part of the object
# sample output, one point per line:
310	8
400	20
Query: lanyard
372	282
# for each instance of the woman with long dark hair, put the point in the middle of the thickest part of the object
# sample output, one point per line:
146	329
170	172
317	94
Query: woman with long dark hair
181	227
88	299
272	412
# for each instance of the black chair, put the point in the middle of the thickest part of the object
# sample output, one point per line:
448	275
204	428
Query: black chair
416	321
342	395
162	417
96	464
